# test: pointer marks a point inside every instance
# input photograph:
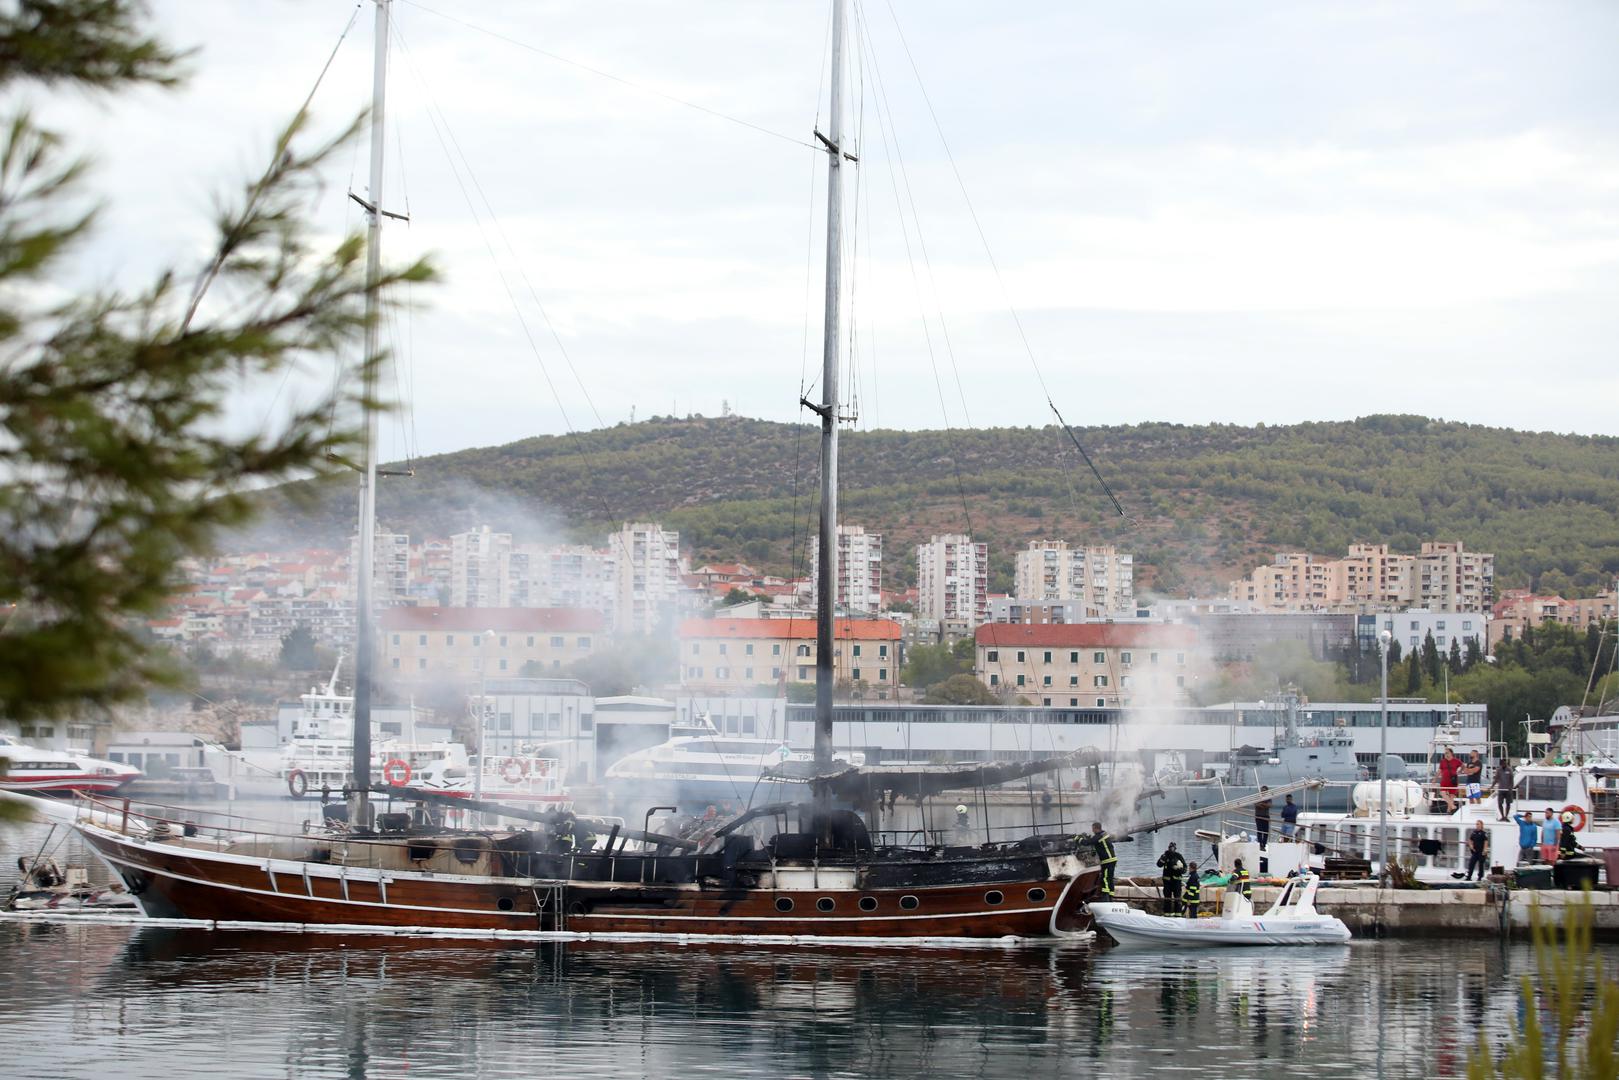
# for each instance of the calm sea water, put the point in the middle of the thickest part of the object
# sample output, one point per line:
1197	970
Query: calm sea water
99	1001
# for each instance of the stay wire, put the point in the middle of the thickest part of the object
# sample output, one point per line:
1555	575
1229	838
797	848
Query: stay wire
508	39
983	238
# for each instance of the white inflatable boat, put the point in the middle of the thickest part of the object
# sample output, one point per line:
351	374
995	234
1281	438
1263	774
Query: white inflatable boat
1291	920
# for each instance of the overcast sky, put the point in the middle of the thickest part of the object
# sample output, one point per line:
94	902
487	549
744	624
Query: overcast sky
1237	213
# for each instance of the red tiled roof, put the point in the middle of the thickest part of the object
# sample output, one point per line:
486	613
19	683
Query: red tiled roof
1085	635
795	629
475	619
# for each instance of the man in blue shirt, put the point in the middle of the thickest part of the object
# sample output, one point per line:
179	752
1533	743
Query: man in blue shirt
1528	835
1549	830
1290	818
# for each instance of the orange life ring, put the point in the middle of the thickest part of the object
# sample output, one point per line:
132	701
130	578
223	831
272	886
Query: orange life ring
397	772
297	783
512	771
1579	816
543	768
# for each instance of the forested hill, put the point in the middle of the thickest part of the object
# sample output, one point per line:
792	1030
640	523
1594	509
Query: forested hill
1203	502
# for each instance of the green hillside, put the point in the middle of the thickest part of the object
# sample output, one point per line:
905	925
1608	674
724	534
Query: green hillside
1204	502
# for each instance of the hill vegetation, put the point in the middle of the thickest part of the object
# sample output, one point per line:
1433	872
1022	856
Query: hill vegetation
1205	502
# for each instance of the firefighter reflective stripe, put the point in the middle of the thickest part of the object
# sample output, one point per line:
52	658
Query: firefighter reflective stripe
1193	891
1104	849
1241	883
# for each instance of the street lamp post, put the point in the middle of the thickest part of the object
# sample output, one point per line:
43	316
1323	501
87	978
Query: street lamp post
483	712
1383	640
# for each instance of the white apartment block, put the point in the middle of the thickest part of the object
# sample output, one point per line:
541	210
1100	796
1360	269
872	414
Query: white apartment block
952	579
1411	628
647	587
1369	579
477	560
859	568
390	568
1099	578
577	576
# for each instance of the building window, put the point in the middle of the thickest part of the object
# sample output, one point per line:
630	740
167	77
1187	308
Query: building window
477	639
1073	657
1099	658
993	656
396	663
695	648
775	673
1048	656
1073	680
503	641
1046	682
449	639
748	649
1180	680
1152	658
994	679
1440	625
1073	703
803	673
803	650
882	652
722	673
1020	680
723	649
694	673
421	664
882	674
1124	681
583	643
421	639
855	674
1124	658
1101	703
396	639
1467	624
1180	658
1098	680
531	641
747	673
1047	702
556	641
503	663
1020	656
775	650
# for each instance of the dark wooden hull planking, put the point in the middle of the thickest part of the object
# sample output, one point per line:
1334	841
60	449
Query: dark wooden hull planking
173	880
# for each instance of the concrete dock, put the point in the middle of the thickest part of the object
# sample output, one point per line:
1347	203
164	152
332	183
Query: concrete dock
1461	912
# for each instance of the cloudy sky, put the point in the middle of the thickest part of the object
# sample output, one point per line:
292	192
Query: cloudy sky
1237	213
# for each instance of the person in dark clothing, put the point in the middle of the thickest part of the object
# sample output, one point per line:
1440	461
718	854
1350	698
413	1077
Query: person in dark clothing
1173	864
1192	895
1478	847
1105	855
1567	843
1290	818
1239	880
1262	820
1505	788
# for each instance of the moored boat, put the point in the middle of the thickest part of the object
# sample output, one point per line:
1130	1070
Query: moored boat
1291	920
33	771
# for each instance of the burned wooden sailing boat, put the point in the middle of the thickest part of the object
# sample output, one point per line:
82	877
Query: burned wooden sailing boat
815	868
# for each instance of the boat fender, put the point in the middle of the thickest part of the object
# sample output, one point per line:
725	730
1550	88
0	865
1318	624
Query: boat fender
1579	815
397	772
297	783
512	771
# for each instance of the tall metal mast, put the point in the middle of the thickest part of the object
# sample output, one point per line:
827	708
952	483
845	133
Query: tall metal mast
365	648
827	565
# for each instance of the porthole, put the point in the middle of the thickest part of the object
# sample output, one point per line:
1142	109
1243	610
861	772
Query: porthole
1036	895
825	903
505	903
993	897
784	903
868	903
909	903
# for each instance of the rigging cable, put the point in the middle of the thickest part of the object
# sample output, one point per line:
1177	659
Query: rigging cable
508	39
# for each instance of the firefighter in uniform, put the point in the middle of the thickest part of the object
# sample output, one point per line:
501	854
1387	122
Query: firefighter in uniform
1173	865
1239	880
1105	855
1567	843
1193	893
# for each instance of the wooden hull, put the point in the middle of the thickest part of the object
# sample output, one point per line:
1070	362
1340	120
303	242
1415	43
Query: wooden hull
171	879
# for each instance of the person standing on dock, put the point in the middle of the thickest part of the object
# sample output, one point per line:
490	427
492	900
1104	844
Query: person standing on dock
1549	837
1192	895
1105	855
1506	788
1173	864
1290	818
1262	819
1239	880
1478	846
1568	845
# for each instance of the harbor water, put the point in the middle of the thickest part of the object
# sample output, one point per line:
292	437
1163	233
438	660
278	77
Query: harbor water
84	1000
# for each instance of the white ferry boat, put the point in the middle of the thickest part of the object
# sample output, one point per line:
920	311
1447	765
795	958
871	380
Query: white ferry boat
1437	841
35	771
520	779
696	771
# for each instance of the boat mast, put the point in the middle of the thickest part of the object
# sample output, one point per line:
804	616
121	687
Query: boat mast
827	564
365	647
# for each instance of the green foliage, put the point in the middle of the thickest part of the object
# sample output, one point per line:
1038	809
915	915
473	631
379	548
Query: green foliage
114	460
1579	997
1209	502
928	665
298	649
961	689
736	596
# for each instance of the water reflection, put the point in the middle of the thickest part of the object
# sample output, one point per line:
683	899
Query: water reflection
181	1003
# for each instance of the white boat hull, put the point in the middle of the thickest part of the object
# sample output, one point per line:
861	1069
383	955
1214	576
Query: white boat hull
1129	927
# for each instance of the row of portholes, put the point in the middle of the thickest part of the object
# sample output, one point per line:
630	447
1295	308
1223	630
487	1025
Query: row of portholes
906	903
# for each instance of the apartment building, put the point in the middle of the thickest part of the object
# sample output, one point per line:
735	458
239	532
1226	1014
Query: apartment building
952	579
1444	576
390	564
420	643
859	569
731	655
1100	577
1090	665
1412	626
648	576
477	562
1519	609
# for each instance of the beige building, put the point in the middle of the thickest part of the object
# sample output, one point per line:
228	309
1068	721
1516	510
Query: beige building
468	643
1100	578
952	579
731	655
1445	576
646	564
1084	665
859	569
1520	609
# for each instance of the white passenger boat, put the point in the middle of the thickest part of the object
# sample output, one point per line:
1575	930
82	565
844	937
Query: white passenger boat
34	771
1291	920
